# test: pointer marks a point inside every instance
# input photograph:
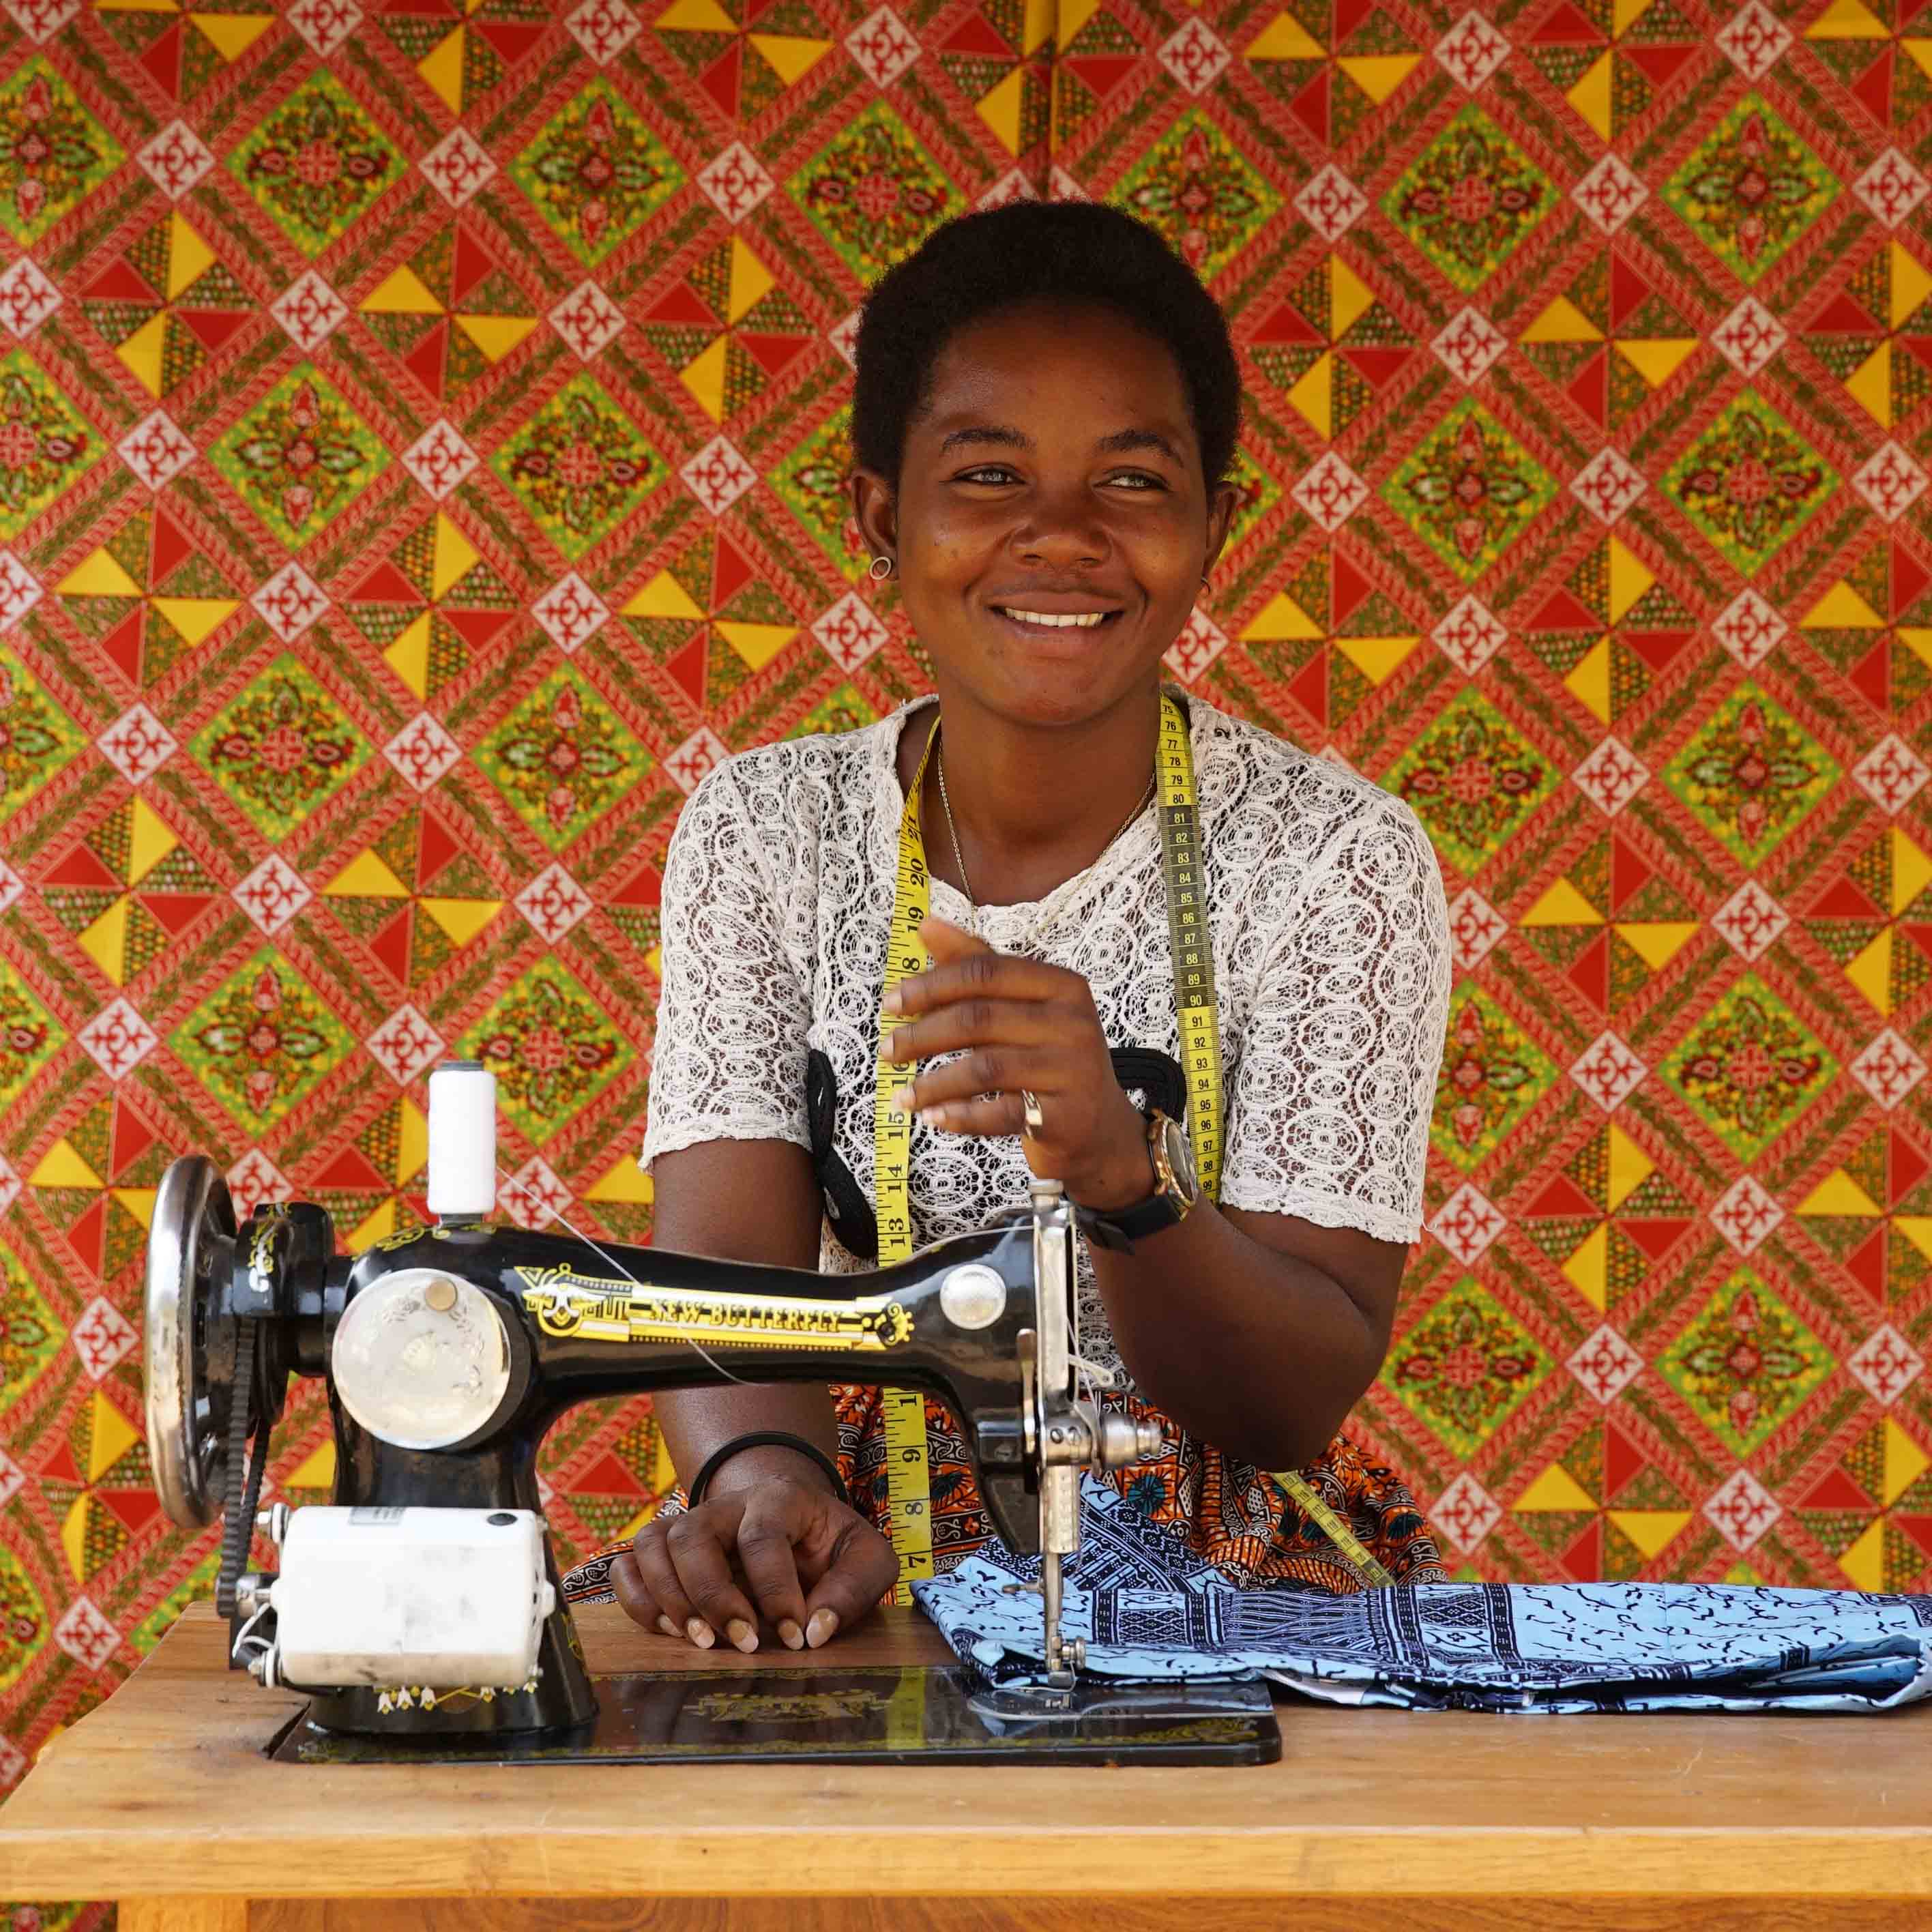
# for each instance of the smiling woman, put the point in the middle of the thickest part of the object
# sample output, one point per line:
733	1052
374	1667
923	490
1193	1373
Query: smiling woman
1046	410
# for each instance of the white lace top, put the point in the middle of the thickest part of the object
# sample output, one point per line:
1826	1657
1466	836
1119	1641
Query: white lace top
1332	963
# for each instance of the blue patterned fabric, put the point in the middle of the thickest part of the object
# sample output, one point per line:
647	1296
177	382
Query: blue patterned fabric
1148	1608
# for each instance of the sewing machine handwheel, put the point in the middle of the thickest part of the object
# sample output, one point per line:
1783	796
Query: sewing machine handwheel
191	1245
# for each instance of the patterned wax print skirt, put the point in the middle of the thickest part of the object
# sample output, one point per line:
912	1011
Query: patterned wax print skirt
1237	1517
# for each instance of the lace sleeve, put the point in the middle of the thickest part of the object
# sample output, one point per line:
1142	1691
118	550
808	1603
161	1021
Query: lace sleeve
729	1060
1329	1115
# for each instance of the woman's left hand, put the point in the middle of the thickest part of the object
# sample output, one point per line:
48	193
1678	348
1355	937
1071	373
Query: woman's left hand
1023	1025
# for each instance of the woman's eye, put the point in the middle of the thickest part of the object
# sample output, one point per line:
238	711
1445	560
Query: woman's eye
999	472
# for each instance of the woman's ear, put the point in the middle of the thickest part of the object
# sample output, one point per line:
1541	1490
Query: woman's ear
875	510
1223	499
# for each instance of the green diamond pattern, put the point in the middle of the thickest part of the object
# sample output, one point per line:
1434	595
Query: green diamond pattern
262	1041
1473	779
53	153
45	445
1751	190
283	749
1469	490
1749	482
1493	1074
36	737
579	465
1469	199
1195	187
1466	1367
317	163
810	482
551	1047
301	456
1749	1067
29	1034
1745	1363
596	173
1751	773
874	192
563	758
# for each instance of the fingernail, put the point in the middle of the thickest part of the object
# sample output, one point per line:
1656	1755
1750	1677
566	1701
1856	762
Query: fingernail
742	1634
902	1097
700	1633
665	1625
819	1630
793	1637
894	1002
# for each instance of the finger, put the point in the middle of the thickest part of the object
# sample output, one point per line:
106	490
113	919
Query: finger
995	1070
982	1021
770	1566
999	1114
696	1542
632	1591
944	940
660	1577
1001	975
862	1568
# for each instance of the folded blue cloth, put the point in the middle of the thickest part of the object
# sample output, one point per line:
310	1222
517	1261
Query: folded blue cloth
1148	1607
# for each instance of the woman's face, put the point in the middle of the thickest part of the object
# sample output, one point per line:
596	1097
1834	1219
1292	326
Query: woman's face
1055	471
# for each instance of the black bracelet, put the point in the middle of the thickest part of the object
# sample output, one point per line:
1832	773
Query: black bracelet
759	1438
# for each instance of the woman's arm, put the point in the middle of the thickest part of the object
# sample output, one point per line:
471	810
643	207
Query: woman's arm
808	1561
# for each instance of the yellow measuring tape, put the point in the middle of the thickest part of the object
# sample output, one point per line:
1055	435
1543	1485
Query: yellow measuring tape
907	1469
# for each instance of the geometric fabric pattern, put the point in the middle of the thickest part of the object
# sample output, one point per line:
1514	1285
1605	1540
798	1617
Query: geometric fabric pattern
422	430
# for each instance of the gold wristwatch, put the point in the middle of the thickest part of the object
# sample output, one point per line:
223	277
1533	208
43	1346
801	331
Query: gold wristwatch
1175	1190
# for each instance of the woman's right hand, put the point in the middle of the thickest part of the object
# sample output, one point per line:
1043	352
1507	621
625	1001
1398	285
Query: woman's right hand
769	1540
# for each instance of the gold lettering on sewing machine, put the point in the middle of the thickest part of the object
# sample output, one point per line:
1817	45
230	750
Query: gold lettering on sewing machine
568	1303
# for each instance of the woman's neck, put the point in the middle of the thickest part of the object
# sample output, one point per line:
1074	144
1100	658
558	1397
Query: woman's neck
1033	805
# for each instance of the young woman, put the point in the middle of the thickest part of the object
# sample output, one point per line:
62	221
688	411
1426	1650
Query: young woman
1045	411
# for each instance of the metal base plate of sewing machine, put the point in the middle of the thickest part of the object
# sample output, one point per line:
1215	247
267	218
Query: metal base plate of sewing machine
878	1714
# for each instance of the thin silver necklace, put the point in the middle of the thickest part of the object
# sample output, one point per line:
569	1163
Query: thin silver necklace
959	857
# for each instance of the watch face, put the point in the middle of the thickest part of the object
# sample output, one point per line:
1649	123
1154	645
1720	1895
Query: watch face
1180	1157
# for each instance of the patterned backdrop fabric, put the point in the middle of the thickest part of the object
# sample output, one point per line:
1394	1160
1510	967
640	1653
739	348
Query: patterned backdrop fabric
422	429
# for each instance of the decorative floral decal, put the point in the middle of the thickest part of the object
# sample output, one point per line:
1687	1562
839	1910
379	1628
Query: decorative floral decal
1471	198
1194	187
1745	1363
1749	481
1751	773
44	444
596	172
579	464
317	163
1472	779
52	152
1470	489
282	748
1749	1067
1466	1367
550	1047
28	1034
301	456
262	1041
874	192
1751	189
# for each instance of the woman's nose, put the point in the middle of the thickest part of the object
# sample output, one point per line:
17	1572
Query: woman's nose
1063	526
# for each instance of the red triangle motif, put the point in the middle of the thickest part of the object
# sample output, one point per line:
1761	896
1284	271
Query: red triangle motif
1590	389
1349	589
83	867
120	281
211	328
351	1172
391	944
1349	15
1655	1237
1658	65
129	1136
436	846
1565	611
1870	676
1658	649
1567	27
774	354
724	78
1622	1459
511	39
61	1468
163	60
1629	291
1866	1265
1843	898
1377	367
730	572
1582	1562
1837	1491
89	1234
174	913
1309	688
428	361
687	666
1916	1529
1841	316
644	887
608	1477
1562	1199
133	1509
477	628
680	307
385	584
976	35
1872	90
168	548
1590	972
123	643
1905	1168
1288	324
1909	579
1631	871
1100	73
1311	106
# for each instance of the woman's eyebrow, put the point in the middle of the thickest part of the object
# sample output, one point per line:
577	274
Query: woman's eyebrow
1014	439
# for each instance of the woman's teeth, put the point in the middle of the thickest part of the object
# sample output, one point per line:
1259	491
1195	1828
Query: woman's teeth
1084	620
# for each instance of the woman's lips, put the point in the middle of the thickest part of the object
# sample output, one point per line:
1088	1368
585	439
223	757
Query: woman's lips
1070	632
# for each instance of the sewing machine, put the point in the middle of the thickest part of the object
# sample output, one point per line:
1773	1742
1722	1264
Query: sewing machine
423	1608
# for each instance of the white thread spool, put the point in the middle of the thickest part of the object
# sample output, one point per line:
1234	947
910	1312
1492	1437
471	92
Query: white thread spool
462	1141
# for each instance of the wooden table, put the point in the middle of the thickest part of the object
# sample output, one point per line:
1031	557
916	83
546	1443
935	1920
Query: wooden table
1451	1821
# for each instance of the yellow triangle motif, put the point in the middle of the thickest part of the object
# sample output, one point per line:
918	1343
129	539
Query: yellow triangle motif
758	644
105	942
1841	608
704	376
1378	75
626	1181
1000	106
401	293
663	596
1905	1462
407	654
1377	658
1870	971
1911	284
189	256
62	1165
441	71
97	574
1864	1562
1563	321
1349	298
791	55
1870	385
1911	871
150	840
138	1201
1281	620
1650	1530
495	336
453	559
1562	905
142	352
695	16
1657	359
462	919
1657	941
1588	680
1555	1488
1847	20
74	1535
1037	27
1591	96
1838	1193
315	1471
750	282
1285	38
109	1436
1314	395
366	876
1588	1270
232	34
380	1223
1917	1228
1629	1168
196	617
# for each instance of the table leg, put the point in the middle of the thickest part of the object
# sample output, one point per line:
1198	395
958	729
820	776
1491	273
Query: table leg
184	1915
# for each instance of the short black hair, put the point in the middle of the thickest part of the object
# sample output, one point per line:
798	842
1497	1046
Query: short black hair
1075	252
